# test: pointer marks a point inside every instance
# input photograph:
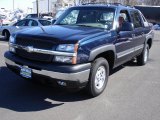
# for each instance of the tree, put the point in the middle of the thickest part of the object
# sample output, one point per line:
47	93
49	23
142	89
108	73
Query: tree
152	2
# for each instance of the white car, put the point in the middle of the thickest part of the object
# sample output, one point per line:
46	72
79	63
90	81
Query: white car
6	31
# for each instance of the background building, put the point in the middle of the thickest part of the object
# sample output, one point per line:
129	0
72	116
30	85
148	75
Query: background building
51	6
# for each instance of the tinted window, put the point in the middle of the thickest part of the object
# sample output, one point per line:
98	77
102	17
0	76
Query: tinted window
44	22
137	21
21	23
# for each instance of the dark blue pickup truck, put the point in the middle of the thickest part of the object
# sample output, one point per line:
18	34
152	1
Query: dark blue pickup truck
82	47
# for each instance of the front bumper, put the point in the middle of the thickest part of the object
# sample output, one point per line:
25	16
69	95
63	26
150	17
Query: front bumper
73	75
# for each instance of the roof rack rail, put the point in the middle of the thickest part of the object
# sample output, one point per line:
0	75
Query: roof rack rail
101	3
106	3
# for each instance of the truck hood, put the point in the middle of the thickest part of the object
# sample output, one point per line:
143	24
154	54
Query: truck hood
62	33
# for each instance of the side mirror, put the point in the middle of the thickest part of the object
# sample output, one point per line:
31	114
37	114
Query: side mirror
127	26
151	24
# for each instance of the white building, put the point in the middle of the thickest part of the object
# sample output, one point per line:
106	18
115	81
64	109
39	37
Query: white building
44	6
51	6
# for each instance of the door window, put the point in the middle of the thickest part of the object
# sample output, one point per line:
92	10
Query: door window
136	18
32	23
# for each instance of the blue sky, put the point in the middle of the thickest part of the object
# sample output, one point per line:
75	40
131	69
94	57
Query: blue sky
22	4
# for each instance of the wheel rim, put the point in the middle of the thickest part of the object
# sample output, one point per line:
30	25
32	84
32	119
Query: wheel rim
100	77
146	55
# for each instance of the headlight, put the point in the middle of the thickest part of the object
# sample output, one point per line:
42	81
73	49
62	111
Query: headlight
66	47
73	48
11	39
63	59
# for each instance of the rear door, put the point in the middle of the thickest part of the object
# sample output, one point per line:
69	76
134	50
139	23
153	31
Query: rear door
139	31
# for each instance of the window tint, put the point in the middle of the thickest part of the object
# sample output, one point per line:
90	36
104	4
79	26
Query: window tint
21	23
136	19
44	22
32	23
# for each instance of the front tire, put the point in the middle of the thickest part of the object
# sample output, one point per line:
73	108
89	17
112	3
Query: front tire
143	57
98	77
6	34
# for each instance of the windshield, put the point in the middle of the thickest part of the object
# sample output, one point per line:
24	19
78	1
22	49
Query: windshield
90	17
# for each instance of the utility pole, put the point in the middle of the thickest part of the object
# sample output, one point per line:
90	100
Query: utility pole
48	6
37	7
13	5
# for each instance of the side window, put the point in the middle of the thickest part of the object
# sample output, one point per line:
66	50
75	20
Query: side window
125	15
32	23
71	18
44	22
21	23
137	21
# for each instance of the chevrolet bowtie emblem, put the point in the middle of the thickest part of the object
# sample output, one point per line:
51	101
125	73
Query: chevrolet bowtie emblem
29	49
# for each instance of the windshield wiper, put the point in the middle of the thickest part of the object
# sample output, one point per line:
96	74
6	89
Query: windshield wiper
84	25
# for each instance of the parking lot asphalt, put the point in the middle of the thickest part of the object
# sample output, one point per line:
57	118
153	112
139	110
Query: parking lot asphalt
132	93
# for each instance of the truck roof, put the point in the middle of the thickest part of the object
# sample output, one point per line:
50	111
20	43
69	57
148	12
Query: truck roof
108	5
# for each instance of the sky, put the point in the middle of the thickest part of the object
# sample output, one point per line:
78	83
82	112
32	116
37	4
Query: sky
22	4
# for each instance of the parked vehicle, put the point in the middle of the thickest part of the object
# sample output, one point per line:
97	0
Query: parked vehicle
22	24
82	47
32	16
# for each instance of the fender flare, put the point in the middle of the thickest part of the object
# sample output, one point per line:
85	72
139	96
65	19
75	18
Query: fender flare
100	50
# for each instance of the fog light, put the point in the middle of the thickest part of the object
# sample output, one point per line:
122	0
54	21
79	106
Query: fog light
11	49
62	83
63	59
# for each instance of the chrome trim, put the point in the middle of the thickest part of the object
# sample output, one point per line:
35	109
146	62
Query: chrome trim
31	49
124	53
139	47
129	51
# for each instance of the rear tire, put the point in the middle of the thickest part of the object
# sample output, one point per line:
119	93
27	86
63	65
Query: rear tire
143	57
98	77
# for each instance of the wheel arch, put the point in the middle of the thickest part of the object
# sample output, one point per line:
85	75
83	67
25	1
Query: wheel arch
149	42
107	52
5	30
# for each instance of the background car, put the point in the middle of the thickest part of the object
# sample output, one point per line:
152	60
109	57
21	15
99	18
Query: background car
32	16
6	31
